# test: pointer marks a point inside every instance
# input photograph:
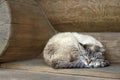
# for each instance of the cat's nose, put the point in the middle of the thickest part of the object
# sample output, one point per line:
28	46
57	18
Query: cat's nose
88	61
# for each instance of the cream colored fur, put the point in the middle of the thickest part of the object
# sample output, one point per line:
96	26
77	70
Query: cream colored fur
64	49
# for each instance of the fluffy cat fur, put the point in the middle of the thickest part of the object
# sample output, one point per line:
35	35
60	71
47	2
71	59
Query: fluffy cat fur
74	50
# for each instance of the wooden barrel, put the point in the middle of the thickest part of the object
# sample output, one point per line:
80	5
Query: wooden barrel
24	27
83	15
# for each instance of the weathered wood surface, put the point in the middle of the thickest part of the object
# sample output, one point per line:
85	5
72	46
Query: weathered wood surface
83	15
5	20
39	65
30	30
13	74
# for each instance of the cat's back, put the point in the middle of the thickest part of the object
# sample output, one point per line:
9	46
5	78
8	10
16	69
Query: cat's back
87	39
60	44
59	48
62	39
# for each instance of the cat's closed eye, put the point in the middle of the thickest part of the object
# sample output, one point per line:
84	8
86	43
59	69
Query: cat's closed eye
99	55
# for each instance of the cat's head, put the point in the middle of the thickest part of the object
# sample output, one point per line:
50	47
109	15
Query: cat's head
93	52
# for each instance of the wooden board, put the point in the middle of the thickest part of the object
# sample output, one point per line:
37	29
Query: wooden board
38	65
83	15
5	74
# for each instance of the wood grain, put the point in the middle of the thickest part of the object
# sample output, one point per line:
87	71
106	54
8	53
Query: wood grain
5	20
30	31
39	66
83	15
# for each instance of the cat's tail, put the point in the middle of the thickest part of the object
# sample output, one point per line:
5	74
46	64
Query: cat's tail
65	64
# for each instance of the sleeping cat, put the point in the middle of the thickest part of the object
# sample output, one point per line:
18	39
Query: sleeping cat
74	50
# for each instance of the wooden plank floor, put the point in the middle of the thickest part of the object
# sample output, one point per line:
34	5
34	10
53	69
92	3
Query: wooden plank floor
13	74
38	65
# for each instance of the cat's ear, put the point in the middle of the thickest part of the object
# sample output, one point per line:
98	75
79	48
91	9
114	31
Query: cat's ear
84	46
80	44
87	46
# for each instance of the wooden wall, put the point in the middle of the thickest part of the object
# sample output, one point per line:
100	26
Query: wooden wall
83	15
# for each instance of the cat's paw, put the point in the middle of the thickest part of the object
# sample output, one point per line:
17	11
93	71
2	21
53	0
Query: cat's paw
94	64
80	65
104	63
99	63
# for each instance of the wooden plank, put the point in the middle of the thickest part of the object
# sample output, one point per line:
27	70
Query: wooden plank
5	74
39	66
83	15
